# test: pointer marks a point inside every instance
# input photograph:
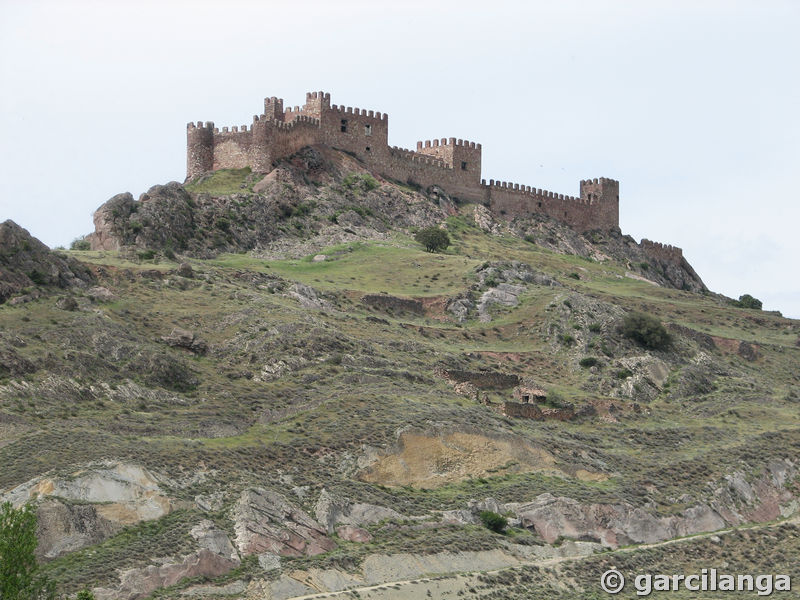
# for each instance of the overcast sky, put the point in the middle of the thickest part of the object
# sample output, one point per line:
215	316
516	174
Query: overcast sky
692	105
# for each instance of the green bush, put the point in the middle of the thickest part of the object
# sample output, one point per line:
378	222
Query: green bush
146	255
80	243
433	238
595	327
356	182
574	275
589	361
646	331
493	521
623	374
747	301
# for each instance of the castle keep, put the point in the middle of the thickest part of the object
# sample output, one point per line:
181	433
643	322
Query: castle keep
450	163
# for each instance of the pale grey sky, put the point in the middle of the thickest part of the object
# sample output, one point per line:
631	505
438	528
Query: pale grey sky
692	105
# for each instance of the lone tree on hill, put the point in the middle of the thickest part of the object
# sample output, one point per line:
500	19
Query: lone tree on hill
19	572
747	301
433	238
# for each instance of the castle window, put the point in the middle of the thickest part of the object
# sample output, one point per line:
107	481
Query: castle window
526	398
463	165
540	205
344	125
367	129
367	148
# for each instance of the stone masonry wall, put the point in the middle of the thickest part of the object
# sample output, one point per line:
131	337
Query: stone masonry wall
454	165
663	252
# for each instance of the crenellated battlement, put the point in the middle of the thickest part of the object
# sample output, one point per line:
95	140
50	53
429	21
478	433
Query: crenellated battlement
661	251
447	142
454	164
360	112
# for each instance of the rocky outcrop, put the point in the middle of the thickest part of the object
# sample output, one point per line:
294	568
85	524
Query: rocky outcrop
393	304
140	583
332	511
214	539
90	505
273	214
505	294
266	521
734	501
308	297
26	262
611	525
181	338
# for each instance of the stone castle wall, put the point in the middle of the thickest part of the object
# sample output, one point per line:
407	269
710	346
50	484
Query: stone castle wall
662	252
450	163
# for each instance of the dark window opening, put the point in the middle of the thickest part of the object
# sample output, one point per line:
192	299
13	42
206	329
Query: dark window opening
526	398
540	205
344	125
463	165
565	213
367	129
367	148
617	197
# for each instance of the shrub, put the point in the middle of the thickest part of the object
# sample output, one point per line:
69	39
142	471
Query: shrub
80	243
493	521
646	331
146	255
747	301
623	374
37	277
433	238
574	275
356	182
589	361
567	339
595	327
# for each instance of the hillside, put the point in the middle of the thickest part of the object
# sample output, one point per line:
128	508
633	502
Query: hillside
262	386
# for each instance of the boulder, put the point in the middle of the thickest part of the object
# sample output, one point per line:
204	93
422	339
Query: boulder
185	270
353	534
101	294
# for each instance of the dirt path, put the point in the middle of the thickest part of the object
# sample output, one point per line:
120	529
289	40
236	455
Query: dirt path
550	561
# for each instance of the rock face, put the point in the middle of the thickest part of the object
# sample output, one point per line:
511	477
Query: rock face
25	262
90	505
265	521
214	539
332	511
139	583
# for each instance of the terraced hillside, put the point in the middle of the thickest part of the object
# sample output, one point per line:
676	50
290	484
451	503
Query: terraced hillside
264	387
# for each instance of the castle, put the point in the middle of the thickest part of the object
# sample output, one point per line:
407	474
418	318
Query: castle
453	165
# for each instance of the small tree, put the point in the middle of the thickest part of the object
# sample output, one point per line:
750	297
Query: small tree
747	301
645	330
493	521
433	238
19	572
